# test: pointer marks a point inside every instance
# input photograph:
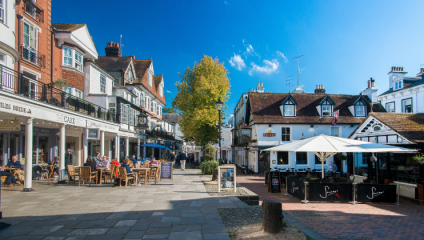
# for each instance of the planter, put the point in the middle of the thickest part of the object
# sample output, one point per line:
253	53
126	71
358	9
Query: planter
420	188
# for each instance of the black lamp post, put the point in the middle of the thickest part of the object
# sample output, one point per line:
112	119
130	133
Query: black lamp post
219	105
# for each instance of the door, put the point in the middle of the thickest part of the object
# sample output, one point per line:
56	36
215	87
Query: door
264	163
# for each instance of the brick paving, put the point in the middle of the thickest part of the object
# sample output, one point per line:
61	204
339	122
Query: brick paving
173	209
344	220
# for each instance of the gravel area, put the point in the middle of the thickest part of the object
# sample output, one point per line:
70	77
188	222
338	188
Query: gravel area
213	191
234	218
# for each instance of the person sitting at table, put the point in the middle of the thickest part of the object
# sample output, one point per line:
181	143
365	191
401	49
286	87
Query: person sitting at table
126	164
154	162
56	165
9	178
104	163
14	163
133	160
90	163
97	158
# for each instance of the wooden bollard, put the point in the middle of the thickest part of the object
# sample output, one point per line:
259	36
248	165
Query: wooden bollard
272	219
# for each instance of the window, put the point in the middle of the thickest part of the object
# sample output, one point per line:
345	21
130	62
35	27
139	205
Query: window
130	76
67	56
317	161
150	79
283	158
407	105
30	10
141	100
102	84
301	158
390	107
131	117
161	90
2	56
30	43
359	109
285	134
151	106
78	60
288	109
124	112
157	110
396	85
326	109
335	131
2	12
112	106
400	84
78	93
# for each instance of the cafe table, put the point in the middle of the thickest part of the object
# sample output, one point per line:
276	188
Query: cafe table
101	169
11	169
143	171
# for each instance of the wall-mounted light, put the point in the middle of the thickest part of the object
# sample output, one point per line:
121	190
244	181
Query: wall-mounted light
269	125
312	126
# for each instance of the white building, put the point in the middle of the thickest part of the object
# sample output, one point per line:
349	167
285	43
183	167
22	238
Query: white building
405	94
226	145
8	53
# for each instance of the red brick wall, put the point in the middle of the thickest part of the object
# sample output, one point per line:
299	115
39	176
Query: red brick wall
44	37
74	79
57	61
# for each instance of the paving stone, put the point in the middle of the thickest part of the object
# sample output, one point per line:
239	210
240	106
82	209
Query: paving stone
151	231
158	213
156	236
126	223
161	225
191	215
185	235
92	231
46	230
186	228
216	236
170	219
75	238
54	238
135	235
140	226
213	228
118	230
192	220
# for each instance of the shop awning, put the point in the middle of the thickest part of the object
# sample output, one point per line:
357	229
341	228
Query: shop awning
155	145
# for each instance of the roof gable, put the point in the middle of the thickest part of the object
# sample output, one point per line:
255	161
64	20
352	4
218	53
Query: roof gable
289	100
327	98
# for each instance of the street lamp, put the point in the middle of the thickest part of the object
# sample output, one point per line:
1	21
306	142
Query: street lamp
219	105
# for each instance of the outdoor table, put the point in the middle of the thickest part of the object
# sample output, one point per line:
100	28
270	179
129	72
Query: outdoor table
101	173
145	171
11	170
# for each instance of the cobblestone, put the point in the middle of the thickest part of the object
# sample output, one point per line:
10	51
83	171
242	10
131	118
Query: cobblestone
235	218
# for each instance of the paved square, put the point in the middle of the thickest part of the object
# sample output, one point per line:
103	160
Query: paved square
173	209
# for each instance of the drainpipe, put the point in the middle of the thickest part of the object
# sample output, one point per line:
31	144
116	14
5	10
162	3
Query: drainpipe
19	16
52	32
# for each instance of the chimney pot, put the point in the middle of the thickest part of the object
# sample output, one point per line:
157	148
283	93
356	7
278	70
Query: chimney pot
259	84
369	83
322	86
117	44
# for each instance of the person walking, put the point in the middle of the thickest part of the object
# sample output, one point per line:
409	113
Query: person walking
178	158
183	159
173	159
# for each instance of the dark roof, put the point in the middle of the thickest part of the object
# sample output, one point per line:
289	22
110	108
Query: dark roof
406	86
157	80
66	27
141	66
114	63
265	108
409	125
171	117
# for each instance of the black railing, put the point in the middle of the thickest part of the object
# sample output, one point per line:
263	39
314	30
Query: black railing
17	83
33	56
159	134
32	9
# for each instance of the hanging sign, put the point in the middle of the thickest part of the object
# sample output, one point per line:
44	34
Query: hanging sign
245	135
10	125
93	133
142	122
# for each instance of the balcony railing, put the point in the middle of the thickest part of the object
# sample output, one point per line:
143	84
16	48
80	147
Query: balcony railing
33	56
160	134
17	83
32	9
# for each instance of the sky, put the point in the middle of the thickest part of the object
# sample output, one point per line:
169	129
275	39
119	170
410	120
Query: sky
343	43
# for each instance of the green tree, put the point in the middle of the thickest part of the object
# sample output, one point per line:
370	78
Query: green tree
168	110
60	83
198	91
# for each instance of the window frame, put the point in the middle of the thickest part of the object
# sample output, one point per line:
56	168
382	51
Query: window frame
289	134
360	105
3	8
290	103
278	157
325	104
338	130
102	83
66	57
30	42
80	68
394	105
403	105
306	153
141	99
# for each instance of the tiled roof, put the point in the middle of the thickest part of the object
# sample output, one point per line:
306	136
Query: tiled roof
171	117
114	63
409	125
141	68
265	108
66	27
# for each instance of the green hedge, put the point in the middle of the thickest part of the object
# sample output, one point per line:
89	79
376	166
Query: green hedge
207	167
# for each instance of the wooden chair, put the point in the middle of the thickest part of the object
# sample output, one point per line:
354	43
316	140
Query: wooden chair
86	174
72	173
124	176
3	179
154	173
109	174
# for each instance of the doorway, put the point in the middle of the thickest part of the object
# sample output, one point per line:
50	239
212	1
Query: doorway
264	162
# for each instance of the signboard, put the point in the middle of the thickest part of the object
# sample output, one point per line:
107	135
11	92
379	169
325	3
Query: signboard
245	136
269	135
296	188
227	177
10	125
166	170
330	192
376	193
274	183
93	133
142	122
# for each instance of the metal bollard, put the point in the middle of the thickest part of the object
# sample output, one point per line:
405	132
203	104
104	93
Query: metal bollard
354	202
306	199
398	195
287	188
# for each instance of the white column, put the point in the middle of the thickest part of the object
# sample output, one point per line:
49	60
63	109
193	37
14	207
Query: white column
62	152
138	148
117	148
127	146
28	156
85	145
5	155
102	143
144	148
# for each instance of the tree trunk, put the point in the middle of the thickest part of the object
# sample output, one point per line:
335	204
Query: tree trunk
215	175
272	219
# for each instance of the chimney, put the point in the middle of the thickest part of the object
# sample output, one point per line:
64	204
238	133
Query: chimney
372	82
260	88
113	50
369	83
319	89
371	91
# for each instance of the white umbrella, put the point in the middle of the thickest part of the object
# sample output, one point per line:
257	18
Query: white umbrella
327	146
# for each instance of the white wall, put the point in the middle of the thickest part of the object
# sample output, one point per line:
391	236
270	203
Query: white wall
416	93
7	31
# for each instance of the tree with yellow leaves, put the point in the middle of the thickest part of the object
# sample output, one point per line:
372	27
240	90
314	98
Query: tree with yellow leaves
198	91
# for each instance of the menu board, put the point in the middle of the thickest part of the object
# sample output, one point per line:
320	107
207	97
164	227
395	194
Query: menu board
166	170
274	182
227	177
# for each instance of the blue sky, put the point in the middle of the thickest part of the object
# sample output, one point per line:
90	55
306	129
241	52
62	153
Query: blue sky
343	43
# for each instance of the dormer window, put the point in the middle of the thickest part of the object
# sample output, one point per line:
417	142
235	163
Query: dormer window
360	109
288	107
326	108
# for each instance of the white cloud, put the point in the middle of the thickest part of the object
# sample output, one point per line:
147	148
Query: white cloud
283	56
237	62
249	49
268	68
168	91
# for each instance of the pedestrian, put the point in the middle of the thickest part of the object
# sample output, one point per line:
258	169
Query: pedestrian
333	168
173	159
178	158
19	173
183	159
55	164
